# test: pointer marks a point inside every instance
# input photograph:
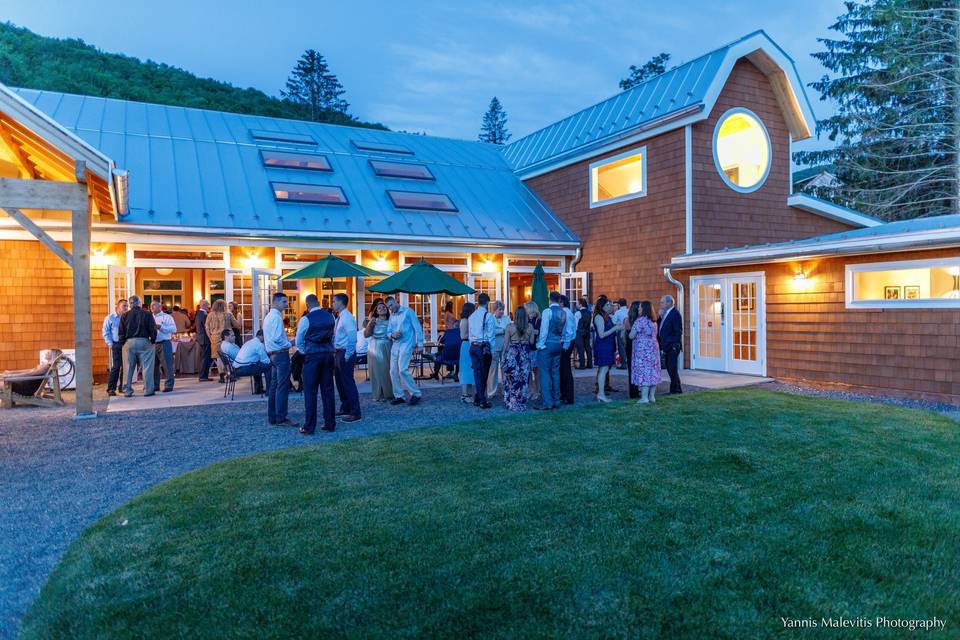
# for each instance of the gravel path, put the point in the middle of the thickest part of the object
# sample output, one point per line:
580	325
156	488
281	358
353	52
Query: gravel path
60	475
949	410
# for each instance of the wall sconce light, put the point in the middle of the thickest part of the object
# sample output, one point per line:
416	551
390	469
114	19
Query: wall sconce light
251	261
800	277
99	258
380	264
487	266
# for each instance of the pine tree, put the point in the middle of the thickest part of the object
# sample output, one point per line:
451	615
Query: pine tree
314	88
896	81
649	69
494	127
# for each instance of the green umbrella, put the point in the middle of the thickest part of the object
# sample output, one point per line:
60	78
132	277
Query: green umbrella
423	278
332	267
539	294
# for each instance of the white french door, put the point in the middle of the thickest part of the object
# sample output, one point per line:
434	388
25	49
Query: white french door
119	285
488	283
574	284
239	290
265	283
728	323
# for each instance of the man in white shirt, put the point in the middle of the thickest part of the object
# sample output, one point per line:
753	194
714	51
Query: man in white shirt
619	316
502	322
482	331
163	359
549	351
406	335
345	358
111	327
249	360
278	348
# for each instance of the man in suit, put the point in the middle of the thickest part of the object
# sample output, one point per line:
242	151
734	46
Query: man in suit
315	333
203	340
670	335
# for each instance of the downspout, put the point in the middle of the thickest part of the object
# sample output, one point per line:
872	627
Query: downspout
576	259
679	286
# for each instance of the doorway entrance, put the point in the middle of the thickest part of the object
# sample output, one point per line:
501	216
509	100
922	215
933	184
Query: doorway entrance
728	323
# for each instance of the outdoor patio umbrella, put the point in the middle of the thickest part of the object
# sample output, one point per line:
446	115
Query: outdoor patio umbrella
539	293
422	278
332	267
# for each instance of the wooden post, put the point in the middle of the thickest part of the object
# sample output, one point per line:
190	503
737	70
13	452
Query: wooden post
82	329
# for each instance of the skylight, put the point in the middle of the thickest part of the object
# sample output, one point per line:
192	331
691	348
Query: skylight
294	160
387	169
308	193
384	147
421	201
282	136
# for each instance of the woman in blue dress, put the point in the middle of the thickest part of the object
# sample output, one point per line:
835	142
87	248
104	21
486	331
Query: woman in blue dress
604	347
466	366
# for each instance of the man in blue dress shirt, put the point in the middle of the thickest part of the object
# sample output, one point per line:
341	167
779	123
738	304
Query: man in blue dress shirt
111	327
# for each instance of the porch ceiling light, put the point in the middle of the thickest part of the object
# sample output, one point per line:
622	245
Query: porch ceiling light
164	271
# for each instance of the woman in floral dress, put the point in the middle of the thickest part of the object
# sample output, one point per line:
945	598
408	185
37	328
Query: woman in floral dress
515	361
645	371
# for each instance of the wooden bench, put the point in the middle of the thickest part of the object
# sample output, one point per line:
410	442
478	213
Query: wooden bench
39	387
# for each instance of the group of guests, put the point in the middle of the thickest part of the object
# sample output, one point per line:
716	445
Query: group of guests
531	356
141	338
327	339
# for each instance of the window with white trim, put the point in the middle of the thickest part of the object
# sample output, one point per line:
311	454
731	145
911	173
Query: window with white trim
741	150
619	178
914	283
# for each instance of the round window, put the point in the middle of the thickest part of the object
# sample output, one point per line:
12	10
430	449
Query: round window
741	150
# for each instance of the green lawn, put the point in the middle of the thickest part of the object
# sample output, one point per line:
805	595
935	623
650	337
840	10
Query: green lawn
708	515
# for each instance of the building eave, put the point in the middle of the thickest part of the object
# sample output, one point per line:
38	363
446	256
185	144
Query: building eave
810	204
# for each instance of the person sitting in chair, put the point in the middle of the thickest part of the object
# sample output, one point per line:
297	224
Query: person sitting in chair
249	360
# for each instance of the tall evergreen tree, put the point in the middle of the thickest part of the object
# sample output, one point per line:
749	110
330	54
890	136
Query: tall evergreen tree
494	127
649	69
896	81
314	88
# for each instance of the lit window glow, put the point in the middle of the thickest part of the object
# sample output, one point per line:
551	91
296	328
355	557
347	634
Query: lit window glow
308	193
741	149
928	281
619	178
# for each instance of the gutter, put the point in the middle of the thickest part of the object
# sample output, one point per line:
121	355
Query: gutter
678	285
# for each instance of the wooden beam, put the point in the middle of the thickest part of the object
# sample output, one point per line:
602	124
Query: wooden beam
27	168
39	234
42	194
82	326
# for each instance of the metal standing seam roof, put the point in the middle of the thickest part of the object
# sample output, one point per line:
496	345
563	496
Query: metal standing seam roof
934	224
684	87
200	168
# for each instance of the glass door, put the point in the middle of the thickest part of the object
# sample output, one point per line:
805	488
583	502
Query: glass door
574	286
119	284
488	283
239	290
706	324
745	352
265	284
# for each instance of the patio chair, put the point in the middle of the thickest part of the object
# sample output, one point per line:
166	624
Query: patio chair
39	386
230	379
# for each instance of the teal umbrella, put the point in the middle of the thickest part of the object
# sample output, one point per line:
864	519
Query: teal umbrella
422	278
332	267
540	294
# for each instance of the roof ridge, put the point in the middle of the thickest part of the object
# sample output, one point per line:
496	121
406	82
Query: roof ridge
404	134
643	84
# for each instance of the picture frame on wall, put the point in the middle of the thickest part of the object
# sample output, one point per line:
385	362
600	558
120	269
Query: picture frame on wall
911	292
892	292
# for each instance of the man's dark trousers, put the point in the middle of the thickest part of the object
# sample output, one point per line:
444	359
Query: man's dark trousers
346	385
255	371
278	386
318	374
116	365
205	359
673	355
566	376
480	360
